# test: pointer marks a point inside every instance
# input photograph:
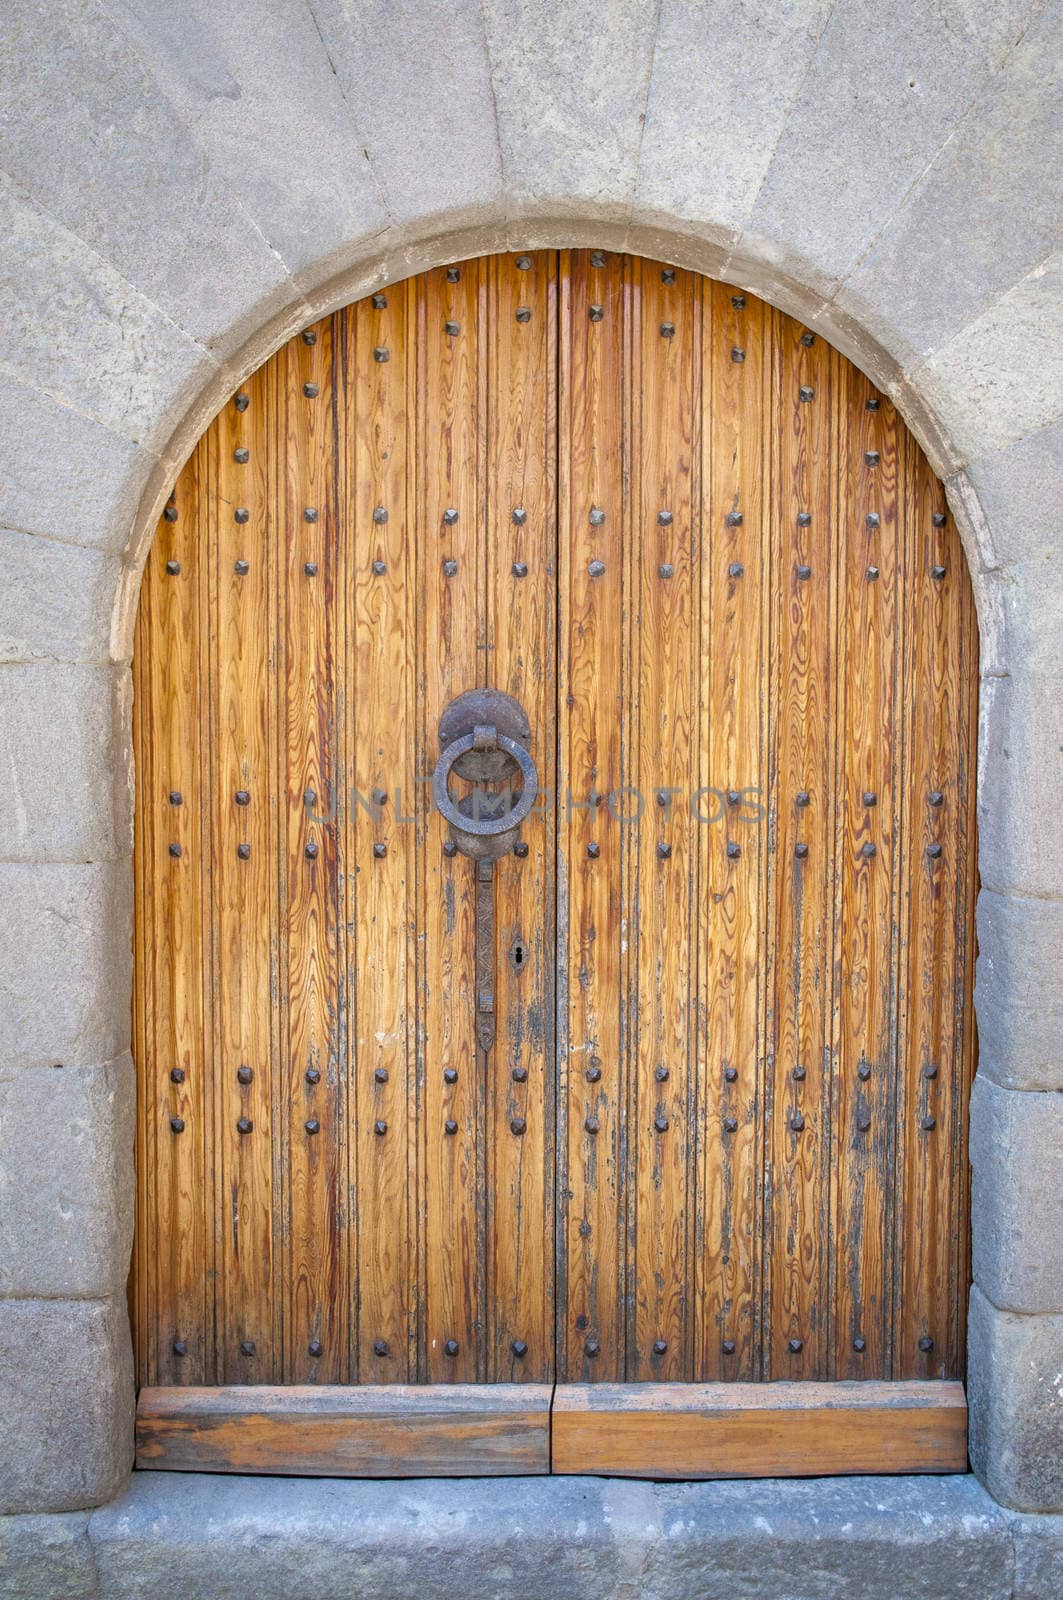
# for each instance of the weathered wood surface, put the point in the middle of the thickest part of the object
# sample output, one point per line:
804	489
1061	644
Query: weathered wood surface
744	1430
386	1431
721	1133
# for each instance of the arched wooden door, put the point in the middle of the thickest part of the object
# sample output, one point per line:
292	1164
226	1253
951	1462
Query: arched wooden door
719	1136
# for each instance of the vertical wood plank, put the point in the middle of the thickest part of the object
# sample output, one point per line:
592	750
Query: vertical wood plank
450	515
592	696
660	910
312	1055
242	552
801	804
521	600
379	583
731	802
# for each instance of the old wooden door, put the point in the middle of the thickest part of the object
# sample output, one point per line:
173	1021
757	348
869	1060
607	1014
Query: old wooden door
717	1138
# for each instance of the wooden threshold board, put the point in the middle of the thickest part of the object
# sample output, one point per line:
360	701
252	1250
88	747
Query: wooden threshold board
383	1431
758	1430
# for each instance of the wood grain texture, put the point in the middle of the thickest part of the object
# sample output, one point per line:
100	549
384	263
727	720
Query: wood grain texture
745	1430
385	1431
720	1136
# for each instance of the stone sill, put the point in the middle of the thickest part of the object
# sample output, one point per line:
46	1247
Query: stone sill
171	1536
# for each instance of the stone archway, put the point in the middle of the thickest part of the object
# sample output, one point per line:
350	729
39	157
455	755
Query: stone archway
126	334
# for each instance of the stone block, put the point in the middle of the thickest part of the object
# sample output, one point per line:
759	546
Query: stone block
1038	1545
63	473
1020	846
66	1179
708	142
1020	489
885	90
1017	991
75	328
442	154
60	800
1015	1397
1030	597
66	1426
1017	1196
110	156
55	599
175	1535
64	962
570	80
275	121
46	1558
982	215
1001	376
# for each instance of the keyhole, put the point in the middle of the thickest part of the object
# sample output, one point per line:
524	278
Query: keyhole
518	954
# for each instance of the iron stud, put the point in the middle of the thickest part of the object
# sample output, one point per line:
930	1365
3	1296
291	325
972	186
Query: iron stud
177	1124
523	313
664	518
592	1347
175	797
660	1124
177	1074
868	850
933	851
450	1126
733	850
244	1074
312	1075
523	263
450	567
596	569
518	1125
380	850
451	1347
805	394
735	570
872	574
380	1347
597	258
797	1122
804	573
808	340
242	455
241	515
170	514
452	328
381	353
380	514
802	797
593	1074
450	1074
730	1074
180	1348
930	1070
664	849
315	1348
801	851
871	458
173	568
869	797
859	1345
926	1344
668	275
449	848
660	1347
380	302
311	391
244	1125
520	569
935	797
450	517
242	797
519	1074
453	274
873	404
662	1074
730	1124
242	401
863	1071
597	517
738	301
247	1347
799	1073
175	849
863	1123
873	519
520	849
310	514
591	1124
380	1127
380	1074
519	1349
311	850
734	519
939	519
738	355
310	568
596	313
666	570
312	1125
241	568
380	567
804	519
795	1346
309	336
667	330
928	1123
938	572
520	516
728	1347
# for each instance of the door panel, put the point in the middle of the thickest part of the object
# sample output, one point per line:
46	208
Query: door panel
719	1135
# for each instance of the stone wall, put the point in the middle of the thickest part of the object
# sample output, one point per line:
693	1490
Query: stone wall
183	186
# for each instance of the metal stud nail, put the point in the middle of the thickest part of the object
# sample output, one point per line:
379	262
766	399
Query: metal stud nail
805	394
242	456
927	1123
380	567
380	850
795	1346
523	263
312	1075
859	1345
868	850
312	1125
310	850
935	797
869	797
596	569
380	302
311	391
309	336
451	1347
873	519
177	1074
797	1122
799	1073
733	851
594	850
449	848
520	516
730	1124
180	1348
591	1124
520	849
519	569
802	797
863	1071
450	567
175	849
801	851
453	274
664	850
170	514
660	1346
666	570
872	574
450	1126
738	355
519	1074
596	517
730	1074
863	1123
938	572
380	1074
175	797
310	514
523	313
933	851
380	514
873	404
939	519
241	515
596	313
519	1349
738	301
315	1348
668	275
662	1074
244	1125
597	258
593	1074
452	328
177	1124
242	401
517	1125
380	1127
926	1344
808	340
241	568
734	519
450	516
173	568
247	1347
735	570
664	518
804	573
667	330
733	797
380	1347
381	353
592	1347
244	1074
871	458
930	1070
310	568
728	1347
804	519
660	1124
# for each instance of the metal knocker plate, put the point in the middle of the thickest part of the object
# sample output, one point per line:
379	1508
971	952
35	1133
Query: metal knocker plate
484	735
479	818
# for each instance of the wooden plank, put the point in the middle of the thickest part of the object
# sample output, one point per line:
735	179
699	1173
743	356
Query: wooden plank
380	585
385	1431
520	658
732	834
748	1430
593	702
801	806
313	1112
241	527
665	363
451	596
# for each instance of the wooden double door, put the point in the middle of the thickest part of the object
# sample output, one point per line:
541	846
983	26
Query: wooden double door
718	1136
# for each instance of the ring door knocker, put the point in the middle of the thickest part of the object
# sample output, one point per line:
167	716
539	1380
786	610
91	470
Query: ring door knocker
484	737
